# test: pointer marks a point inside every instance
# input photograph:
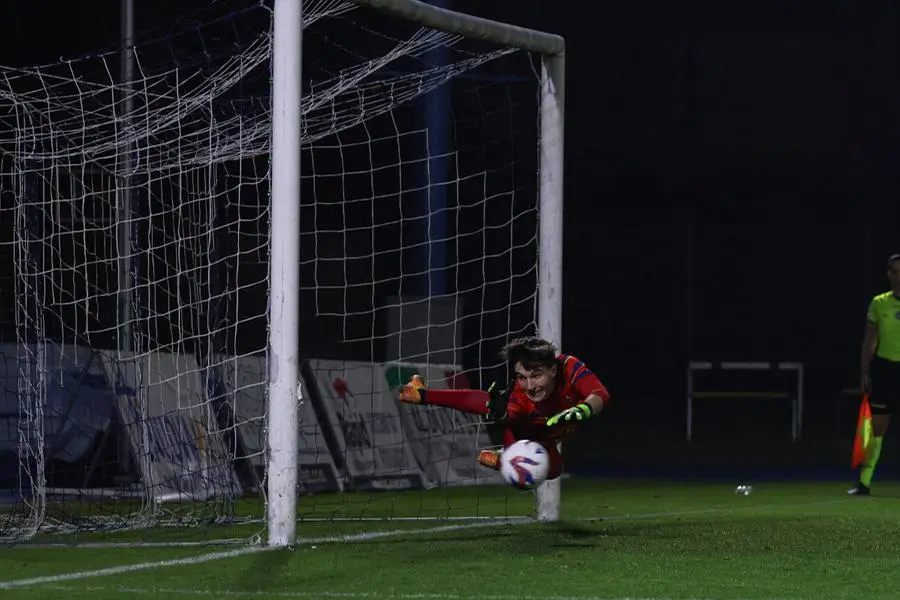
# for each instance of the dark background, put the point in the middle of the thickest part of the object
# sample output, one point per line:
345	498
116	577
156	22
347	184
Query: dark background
731	194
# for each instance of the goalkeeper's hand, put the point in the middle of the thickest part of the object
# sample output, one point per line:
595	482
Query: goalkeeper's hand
579	412
498	399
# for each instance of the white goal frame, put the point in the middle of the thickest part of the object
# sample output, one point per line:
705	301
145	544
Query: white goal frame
284	308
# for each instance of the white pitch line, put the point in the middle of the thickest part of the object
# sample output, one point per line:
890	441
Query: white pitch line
356	537
203	558
127	545
175	562
479	522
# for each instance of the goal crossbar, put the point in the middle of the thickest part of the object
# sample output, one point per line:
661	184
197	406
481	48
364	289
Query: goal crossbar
470	26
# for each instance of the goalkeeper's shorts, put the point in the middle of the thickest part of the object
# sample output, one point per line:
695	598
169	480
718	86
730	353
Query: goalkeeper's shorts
556	461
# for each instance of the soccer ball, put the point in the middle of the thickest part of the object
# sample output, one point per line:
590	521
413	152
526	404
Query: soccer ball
525	464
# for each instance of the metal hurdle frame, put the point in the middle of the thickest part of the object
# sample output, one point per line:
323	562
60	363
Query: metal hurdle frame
796	399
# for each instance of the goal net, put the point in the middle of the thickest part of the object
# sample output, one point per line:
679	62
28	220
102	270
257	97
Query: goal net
136	226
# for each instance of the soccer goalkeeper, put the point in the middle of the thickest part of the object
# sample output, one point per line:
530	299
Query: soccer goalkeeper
552	393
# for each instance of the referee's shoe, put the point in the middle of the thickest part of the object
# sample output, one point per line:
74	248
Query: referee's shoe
859	489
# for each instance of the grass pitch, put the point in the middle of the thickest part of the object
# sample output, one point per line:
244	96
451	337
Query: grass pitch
617	539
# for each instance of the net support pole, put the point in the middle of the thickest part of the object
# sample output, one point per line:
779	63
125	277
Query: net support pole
123	202
284	274
125	276
550	235
437	116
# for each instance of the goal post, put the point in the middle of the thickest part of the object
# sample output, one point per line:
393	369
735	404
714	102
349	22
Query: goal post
284	267
286	157
550	234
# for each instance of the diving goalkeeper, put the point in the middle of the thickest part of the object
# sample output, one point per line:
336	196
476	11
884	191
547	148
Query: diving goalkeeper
552	393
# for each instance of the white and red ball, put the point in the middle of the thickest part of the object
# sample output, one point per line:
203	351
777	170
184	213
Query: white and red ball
525	464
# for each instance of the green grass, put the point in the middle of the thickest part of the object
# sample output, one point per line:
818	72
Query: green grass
616	540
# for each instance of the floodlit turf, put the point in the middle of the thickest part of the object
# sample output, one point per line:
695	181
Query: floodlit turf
616	540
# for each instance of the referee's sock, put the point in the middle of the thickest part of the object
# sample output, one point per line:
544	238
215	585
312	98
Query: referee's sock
868	469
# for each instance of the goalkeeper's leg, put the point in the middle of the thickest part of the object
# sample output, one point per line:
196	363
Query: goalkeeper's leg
469	401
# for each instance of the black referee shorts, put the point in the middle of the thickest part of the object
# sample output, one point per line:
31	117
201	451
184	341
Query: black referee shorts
884	393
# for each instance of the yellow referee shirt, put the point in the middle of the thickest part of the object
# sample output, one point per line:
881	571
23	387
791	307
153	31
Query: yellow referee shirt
884	311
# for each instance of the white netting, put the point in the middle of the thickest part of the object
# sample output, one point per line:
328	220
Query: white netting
134	229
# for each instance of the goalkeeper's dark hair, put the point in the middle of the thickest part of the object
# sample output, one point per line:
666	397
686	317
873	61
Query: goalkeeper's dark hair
532	352
892	259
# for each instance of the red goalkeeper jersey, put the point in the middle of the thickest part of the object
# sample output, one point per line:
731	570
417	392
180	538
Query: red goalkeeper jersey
527	419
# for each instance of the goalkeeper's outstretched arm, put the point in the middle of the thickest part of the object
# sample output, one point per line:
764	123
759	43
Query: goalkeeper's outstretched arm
588	386
582	411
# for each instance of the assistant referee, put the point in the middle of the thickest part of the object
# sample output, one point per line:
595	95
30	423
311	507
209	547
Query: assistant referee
880	369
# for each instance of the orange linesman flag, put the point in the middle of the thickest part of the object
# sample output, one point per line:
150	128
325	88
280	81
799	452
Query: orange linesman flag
863	433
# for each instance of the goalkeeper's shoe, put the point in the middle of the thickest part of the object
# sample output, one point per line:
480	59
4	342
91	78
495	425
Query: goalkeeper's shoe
490	459
414	391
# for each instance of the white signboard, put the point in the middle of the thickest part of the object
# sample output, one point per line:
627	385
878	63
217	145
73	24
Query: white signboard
165	412
244	381
365	422
446	442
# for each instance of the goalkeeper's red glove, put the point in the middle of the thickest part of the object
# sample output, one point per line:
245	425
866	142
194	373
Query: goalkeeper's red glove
579	412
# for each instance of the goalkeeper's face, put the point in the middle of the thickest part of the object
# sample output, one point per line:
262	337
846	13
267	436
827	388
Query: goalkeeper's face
538	382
